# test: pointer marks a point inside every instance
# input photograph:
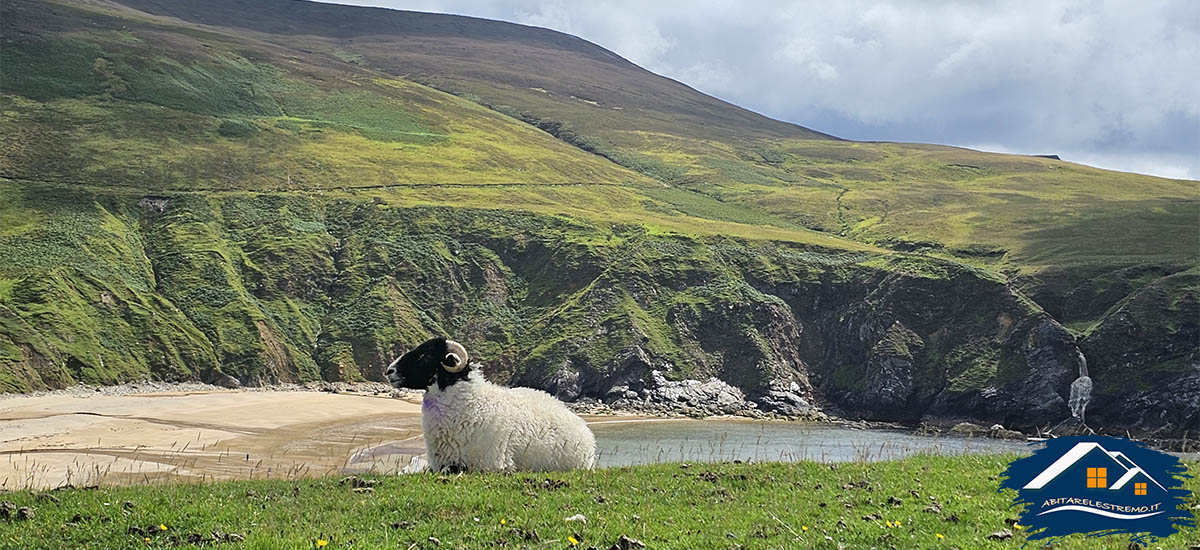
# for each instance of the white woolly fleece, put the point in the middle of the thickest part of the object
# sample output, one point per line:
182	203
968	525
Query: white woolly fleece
479	426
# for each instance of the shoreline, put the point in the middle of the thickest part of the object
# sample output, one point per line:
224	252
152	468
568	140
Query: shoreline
184	433
591	408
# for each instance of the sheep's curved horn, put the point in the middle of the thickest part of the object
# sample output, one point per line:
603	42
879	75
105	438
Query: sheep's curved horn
456	357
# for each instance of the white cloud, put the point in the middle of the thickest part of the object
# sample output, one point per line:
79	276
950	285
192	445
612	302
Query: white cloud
626	32
1106	82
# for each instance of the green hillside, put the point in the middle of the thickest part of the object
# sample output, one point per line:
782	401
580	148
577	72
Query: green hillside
161	106
1047	222
592	98
282	190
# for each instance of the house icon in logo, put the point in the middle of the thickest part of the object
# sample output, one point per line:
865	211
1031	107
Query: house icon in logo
1101	486
1089	465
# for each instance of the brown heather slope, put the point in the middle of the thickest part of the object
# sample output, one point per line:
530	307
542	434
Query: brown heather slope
459	54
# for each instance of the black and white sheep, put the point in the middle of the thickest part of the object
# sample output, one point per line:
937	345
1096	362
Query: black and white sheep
471	424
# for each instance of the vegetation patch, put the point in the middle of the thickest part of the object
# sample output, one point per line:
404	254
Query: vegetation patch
922	502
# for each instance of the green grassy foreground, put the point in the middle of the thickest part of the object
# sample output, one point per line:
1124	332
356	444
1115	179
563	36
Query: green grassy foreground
802	505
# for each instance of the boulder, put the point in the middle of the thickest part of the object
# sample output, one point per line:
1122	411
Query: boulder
227	381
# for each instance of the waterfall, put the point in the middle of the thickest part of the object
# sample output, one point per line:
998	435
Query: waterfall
1081	391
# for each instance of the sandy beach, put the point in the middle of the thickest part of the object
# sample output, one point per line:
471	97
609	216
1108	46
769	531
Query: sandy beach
52	440
125	435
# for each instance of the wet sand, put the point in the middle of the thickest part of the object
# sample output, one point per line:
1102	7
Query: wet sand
53	440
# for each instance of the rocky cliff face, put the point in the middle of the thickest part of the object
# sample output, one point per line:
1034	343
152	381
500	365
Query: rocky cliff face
1145	358
898	340
270	288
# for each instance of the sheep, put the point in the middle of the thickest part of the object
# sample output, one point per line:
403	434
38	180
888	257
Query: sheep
471	424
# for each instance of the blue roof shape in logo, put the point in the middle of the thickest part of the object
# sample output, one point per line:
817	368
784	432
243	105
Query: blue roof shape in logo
1080	450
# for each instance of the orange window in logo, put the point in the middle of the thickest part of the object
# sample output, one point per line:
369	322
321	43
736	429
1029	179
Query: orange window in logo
1097	478
1139	488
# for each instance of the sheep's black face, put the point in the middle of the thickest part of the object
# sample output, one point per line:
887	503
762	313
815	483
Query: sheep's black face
424	365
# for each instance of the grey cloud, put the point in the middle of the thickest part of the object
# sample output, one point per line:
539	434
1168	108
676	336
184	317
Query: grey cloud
1109	83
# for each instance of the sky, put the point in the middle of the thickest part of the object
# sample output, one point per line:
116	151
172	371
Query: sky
1114	84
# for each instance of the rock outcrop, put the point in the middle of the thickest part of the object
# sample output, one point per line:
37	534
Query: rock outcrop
1145	360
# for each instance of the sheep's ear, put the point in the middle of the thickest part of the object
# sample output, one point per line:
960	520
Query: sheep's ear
456	357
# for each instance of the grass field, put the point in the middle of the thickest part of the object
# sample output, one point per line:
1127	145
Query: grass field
921	502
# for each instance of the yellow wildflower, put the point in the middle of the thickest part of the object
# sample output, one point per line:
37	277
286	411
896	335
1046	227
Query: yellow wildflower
803	527
888	523
1018	526
897	523
147	539
503	521
162	527
571	539
940	536
322	543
